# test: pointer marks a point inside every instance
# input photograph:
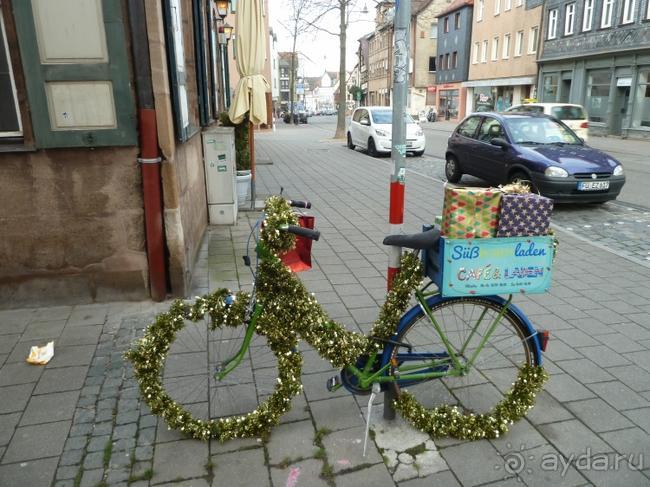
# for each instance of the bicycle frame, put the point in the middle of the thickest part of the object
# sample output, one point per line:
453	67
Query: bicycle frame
443	364
440	362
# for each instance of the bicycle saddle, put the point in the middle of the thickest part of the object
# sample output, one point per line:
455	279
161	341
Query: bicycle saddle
419	241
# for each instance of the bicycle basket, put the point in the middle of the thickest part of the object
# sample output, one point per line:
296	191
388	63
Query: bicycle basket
299	258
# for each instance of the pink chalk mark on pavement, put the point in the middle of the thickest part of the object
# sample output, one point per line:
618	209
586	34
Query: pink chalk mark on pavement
344	463
292	479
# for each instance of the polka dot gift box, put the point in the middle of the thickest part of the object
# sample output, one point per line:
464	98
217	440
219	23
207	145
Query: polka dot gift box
470	212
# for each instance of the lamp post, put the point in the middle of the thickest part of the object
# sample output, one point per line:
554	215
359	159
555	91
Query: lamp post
225	33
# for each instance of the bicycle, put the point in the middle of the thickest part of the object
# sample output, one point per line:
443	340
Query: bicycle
235	374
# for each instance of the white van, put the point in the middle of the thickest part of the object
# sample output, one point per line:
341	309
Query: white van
573	116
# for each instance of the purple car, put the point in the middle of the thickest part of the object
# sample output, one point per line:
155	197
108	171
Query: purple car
507	147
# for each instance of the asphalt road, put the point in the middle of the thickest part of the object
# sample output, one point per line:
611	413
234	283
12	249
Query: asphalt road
621	226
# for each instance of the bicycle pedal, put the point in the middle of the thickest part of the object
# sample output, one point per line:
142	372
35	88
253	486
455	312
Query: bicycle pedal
333	383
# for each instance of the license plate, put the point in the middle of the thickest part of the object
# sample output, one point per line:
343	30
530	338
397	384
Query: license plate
593	185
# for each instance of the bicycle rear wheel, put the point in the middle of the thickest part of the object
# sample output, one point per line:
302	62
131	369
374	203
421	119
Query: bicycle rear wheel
465	322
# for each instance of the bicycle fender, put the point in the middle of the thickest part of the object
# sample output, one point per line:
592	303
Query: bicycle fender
431	301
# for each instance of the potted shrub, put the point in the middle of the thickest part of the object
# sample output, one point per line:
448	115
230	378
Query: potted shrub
242	155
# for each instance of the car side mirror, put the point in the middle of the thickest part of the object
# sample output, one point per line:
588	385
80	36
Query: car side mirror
499	142
364	121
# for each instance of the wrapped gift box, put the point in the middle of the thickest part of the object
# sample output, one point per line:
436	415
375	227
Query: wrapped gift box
470	212
524	215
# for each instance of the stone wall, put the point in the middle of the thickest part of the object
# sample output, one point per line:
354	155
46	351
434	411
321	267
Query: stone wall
72	227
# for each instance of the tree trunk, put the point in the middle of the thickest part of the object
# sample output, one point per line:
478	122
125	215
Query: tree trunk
340	122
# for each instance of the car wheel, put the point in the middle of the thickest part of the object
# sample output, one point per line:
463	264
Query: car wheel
372	150
452	169
418	153
522	177
350	144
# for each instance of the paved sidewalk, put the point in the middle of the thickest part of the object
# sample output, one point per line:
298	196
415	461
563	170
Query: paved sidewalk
79	422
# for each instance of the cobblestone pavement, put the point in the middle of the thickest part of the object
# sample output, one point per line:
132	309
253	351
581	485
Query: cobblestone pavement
621	227
79	420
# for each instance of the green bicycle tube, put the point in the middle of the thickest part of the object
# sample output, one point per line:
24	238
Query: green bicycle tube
494	324
233	362
425	307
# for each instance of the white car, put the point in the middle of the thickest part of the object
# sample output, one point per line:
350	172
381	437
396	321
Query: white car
573	116
370	128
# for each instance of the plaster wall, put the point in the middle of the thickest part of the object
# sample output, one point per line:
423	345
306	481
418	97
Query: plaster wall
72	227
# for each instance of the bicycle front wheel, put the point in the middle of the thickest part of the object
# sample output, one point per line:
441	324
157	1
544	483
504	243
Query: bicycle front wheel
487	363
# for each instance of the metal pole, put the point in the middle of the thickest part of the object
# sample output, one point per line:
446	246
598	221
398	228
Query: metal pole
398	151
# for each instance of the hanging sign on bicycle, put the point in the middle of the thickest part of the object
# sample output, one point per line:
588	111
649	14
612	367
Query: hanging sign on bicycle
475	267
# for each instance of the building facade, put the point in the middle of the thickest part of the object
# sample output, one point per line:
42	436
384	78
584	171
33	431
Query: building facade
503	69
102	180
424	37
380	56
285	78
597	54
453	53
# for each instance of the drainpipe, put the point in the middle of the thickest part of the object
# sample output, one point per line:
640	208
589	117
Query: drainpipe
149	154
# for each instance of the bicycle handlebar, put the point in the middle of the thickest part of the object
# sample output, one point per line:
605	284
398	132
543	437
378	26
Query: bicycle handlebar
299	204
303	232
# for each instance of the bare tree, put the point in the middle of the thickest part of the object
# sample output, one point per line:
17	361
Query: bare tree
296	24
344	8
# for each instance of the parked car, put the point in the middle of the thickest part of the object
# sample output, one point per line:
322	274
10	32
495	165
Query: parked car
574	116
509	147
370	128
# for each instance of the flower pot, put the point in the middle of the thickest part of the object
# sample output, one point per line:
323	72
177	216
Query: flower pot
243	186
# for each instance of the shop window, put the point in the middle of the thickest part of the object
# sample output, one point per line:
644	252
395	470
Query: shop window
569	18
642	109
606	19
597	96
549	90
10	124
552	23
587	15
629	6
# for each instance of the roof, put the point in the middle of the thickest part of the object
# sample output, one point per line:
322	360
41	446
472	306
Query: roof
455	5
418	6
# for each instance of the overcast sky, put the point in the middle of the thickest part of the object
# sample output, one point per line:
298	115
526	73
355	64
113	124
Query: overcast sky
320	50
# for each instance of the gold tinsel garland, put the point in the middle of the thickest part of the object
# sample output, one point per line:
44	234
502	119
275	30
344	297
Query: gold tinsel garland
289	312
449	421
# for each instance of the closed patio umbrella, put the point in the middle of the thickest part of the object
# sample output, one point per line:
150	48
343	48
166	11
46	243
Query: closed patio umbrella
250	95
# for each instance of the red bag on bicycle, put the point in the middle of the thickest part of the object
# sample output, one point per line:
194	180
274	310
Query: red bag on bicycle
299	259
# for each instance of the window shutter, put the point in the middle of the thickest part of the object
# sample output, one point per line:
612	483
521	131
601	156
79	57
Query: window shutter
76	70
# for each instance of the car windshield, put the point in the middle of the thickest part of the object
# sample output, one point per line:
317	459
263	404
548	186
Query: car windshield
385	117
533	130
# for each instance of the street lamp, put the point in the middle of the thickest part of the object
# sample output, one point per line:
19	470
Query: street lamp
222	8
